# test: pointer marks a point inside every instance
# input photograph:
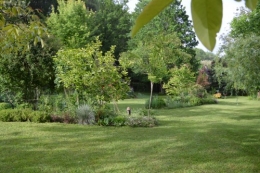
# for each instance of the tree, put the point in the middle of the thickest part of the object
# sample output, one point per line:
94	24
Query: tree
172	20
201	55
246	23
111	22
29	73
153	57
242	64
16	19
240	51
89	70
24	55
70	23
182	79
205	21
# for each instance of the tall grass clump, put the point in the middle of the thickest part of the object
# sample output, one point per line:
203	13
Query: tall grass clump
85	115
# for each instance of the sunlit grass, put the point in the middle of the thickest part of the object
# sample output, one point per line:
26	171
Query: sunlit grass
211	138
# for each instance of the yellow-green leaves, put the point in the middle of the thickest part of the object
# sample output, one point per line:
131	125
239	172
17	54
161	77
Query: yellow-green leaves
206	15
207	19
251	4
149	12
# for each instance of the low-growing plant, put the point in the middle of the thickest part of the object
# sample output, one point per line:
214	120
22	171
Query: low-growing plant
104	115
85	115
141	121
22	115
119	120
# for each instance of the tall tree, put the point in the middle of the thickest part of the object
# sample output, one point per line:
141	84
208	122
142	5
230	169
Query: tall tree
70	23
111	22
240	53
246	23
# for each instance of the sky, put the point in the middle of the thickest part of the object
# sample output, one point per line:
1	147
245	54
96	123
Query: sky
229	10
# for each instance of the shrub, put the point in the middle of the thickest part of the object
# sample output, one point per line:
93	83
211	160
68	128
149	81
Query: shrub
157	103
105	115
177	102
119	120
85	115
5	106
142	121
21	115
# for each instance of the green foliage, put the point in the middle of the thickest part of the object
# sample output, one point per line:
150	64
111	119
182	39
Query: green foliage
188	101
119	120
19	25
141	121
105	116
69	24
157	103
85	115
206	22
111	23
202	55
22	115
246	23
92	72
5	106
172	21
182	79
241	64
151	10
25	74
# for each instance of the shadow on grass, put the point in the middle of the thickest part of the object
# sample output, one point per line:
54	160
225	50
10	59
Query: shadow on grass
187	146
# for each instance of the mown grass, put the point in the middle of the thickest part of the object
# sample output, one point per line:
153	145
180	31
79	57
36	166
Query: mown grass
209	138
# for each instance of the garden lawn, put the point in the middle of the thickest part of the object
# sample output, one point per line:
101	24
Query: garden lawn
211	138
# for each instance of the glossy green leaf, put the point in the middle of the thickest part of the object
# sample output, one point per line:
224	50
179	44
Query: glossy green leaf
149	12
251	4
207	19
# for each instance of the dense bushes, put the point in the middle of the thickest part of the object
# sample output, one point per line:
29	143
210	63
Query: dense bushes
4	105
22	115
157	103
186	101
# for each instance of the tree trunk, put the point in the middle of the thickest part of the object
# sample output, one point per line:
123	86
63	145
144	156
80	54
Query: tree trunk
150	101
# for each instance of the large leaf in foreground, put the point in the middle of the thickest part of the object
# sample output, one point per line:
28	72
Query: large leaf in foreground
149	12
207	19
251	4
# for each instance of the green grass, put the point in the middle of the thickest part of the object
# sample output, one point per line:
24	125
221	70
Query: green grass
209	138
